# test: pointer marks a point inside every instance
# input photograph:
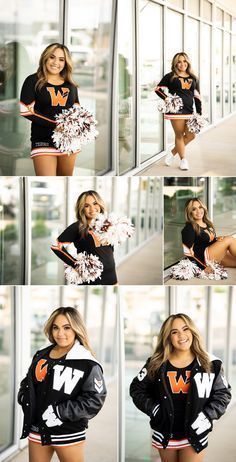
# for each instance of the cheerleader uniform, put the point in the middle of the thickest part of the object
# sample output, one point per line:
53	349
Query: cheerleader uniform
195	246
90	244
59	396
185	87
40	106
178	383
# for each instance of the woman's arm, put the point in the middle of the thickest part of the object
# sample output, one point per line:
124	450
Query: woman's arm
162	85
88	403
141	393
27	103
69	236
219	398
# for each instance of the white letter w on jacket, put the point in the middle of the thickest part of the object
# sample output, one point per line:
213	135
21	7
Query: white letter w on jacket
68	377
204	383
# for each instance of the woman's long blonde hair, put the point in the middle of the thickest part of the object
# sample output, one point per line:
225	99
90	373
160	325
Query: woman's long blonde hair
189	217
66	72
164	346
189	69
79	209
76	322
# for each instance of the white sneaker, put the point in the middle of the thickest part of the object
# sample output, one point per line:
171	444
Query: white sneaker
169	156
184	164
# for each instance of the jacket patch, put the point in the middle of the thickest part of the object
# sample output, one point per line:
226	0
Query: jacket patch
201	424
98	385
66	376
142	374
204	382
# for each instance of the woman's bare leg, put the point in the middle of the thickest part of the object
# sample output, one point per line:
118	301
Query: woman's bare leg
74	453
219	250
229	261
168	455
189	455
179	129
39	453
45	165
188	137
66	164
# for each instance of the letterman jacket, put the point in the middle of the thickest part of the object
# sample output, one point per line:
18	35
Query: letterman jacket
208	398
74	392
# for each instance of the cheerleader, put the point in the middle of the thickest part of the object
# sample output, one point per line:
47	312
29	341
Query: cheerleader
63	389
45	94
88	205
200	243
182	389
182	81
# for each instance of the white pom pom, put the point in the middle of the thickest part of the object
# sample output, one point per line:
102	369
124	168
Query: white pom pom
195	123
187	269
75	126
112	229
172	104
88	268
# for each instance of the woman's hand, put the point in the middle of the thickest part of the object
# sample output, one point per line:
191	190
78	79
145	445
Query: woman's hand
208	270
220	238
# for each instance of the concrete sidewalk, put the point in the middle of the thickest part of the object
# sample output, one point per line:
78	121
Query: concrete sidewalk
144	266
212	153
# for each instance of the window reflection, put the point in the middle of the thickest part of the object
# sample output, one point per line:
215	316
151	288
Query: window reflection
218	71
151	70
224	205
192	41
193	301
219	321
90	41
25	30
234	71
7	368
176	192
205	82
11	209
226	73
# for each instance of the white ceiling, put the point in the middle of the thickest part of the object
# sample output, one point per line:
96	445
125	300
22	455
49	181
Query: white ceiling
229	5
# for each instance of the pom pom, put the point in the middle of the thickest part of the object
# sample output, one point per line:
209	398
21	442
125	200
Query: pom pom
195	123
88	268
112	229
187	269
75	126
172	104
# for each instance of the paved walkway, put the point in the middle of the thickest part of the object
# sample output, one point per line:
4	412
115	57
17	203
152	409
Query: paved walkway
144	266
213	153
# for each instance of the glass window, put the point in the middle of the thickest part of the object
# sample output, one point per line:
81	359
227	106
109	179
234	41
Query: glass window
11	249
205	83
144	312
218	71
224	205
90	39
192	301
7	368
194	7
126	83
234	71
219	321
109	338
176	192
177	3
151	71
219	17
226	73
233	344
26	28
174	44
192	43
206	10
227	21
47	221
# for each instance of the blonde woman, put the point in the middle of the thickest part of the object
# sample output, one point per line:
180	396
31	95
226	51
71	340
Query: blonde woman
182	81
200	243
63	389
45	94
182	389
88	205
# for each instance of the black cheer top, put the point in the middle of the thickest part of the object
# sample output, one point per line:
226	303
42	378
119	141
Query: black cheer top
41	106
178	383
91	245
185	87
194	245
